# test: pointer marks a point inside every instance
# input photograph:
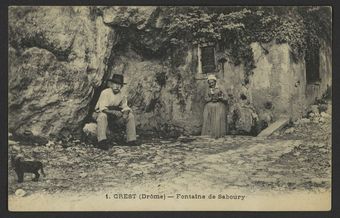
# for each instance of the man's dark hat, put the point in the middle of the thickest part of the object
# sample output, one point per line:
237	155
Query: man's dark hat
117	78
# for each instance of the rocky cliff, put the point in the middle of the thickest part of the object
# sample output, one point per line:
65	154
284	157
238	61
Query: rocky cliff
59	58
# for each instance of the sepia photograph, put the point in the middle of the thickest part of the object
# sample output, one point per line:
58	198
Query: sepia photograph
169	108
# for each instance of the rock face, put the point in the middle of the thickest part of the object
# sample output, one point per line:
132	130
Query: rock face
60	58
128	16
58	55
165	100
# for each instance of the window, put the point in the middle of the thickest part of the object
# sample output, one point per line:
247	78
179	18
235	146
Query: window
208	59
312	59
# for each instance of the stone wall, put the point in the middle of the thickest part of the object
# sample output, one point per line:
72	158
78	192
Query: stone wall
277	81
315	91
275	89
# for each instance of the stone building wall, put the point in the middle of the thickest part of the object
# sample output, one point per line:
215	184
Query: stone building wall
315	91
278	80
277	88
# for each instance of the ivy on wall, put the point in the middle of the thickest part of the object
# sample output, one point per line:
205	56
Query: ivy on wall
235	28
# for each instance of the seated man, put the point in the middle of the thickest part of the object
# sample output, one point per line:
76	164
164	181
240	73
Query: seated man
109	98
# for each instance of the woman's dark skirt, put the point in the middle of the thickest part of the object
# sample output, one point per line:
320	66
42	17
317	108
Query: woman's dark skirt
214	120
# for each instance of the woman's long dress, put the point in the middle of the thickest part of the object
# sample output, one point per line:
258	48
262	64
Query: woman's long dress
214	116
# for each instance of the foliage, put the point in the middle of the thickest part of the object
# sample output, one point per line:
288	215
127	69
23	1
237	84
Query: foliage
235	28
199	26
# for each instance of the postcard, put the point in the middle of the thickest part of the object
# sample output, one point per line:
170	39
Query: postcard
169	108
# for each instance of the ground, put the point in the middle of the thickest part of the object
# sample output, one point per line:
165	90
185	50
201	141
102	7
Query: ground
296	158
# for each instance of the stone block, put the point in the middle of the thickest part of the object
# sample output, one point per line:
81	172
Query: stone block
274	127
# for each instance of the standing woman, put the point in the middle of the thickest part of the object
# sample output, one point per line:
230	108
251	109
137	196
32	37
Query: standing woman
214	114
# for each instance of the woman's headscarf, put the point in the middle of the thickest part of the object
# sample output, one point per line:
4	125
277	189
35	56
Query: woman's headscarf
211	77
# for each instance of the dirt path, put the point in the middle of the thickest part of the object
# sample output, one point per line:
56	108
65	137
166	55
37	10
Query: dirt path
296	159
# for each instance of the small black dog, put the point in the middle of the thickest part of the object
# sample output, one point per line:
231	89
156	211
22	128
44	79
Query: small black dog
21	167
